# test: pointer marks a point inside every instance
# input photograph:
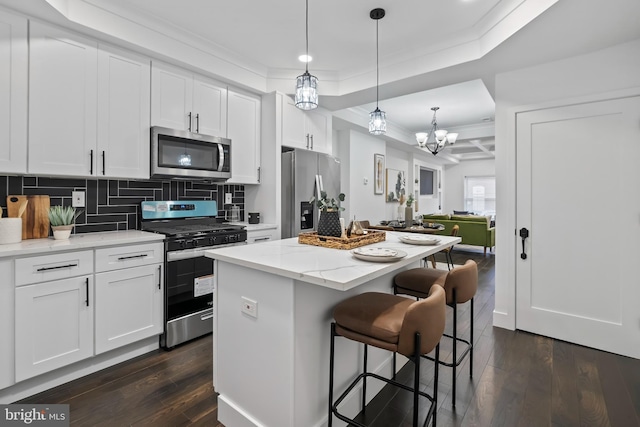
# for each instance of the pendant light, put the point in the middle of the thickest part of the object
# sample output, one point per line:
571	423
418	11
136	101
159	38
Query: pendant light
306	84
377	118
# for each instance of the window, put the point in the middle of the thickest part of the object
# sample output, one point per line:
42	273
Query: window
427	181
480	194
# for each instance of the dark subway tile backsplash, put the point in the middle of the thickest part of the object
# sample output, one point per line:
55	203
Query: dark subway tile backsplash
115	204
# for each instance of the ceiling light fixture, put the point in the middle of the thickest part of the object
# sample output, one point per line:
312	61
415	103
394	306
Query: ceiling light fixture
440	136
377	118
306	84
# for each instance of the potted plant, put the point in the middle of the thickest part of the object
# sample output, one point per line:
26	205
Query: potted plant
62	220
329	221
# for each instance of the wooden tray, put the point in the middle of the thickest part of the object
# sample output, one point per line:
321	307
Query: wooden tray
312	238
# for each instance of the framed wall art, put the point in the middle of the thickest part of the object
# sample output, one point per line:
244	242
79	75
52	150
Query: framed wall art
396	185
378	174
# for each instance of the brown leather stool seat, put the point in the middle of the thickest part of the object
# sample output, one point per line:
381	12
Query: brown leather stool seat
394	323
460	285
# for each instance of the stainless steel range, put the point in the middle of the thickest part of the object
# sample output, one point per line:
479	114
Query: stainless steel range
190	227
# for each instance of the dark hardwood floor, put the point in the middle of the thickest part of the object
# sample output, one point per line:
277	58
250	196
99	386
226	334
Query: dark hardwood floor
520	379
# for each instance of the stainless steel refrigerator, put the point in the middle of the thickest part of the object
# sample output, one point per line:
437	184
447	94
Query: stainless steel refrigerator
304	174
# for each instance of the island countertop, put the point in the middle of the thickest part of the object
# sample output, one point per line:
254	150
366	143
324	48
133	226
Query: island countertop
332	268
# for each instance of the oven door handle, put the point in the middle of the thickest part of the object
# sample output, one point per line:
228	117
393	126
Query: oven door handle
196	252
185	254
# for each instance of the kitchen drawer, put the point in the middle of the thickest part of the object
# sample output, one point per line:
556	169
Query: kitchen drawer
260	236
53	267
117	257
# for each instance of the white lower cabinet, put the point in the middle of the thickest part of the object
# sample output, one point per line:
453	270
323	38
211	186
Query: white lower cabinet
7	324
54	325
128	306
261	236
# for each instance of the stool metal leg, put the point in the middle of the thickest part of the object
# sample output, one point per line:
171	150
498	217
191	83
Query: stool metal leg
435	384
455	345
416	377
471	341
364	379
331	353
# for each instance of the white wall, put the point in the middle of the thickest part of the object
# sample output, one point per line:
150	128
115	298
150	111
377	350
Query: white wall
355	150
604	74
453	198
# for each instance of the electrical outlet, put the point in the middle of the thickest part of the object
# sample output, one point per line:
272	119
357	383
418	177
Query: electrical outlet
249	307
77	199
227	199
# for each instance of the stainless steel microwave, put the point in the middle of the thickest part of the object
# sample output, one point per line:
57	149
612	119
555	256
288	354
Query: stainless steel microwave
187	155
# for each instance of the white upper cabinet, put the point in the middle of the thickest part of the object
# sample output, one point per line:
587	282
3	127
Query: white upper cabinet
209	107
88	107
243	128
310	130
13	86
184	101
124	94
62	102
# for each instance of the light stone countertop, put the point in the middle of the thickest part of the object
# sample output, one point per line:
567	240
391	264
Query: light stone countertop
78	241
332	268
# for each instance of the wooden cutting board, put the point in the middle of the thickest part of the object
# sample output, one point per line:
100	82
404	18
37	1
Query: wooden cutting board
35	220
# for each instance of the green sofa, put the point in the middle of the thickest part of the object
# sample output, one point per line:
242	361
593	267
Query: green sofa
474	229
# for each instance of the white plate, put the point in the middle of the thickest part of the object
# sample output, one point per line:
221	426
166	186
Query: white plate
378	252
419	240
399	255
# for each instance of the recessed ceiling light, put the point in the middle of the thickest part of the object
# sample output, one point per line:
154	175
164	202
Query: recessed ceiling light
305	58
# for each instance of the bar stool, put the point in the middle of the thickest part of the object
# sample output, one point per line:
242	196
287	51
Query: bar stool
460	285
394	323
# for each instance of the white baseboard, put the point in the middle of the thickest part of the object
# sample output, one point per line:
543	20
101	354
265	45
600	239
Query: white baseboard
231	414
504	320
77	370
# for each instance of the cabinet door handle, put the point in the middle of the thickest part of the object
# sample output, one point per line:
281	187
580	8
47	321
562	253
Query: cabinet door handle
132	256
57	267
312	141
103	162
189	121
259	171
159	276
260	239
91	162
86	284
198	123
307	141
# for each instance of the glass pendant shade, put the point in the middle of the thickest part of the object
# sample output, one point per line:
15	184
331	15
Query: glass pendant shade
306	91
451	137
377	122
441	135
422	138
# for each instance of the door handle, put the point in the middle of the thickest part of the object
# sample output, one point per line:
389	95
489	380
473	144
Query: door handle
91	162
189	121
312	141
159	276
103	162
198	123
524	233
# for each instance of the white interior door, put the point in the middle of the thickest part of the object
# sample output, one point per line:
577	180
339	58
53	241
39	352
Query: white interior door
578	185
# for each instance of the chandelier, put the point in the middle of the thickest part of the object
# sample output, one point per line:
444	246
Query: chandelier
306	84
440	136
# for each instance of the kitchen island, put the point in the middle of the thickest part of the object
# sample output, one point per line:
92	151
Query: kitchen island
273	306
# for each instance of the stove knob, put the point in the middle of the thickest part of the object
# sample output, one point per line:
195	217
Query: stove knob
225	239
194	243
211	241
183	244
